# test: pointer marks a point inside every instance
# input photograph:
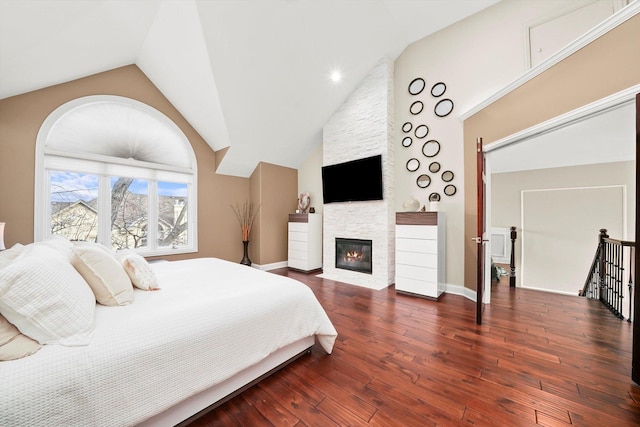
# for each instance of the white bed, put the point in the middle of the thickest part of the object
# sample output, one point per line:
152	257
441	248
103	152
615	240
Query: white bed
212	328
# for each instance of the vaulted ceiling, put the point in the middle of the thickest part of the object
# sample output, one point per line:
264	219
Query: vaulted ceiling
251	75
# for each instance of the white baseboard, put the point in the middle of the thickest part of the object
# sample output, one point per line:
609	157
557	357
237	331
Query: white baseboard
461	290
573	294
272	266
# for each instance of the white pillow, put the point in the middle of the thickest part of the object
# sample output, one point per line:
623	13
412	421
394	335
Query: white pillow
139	271
104	274
46	298
10	254
59	243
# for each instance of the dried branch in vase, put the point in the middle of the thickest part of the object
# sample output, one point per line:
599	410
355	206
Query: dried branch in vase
246	214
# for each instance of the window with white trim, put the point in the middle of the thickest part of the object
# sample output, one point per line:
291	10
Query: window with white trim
116	171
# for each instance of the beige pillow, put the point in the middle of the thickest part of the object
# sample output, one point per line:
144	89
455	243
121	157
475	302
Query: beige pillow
46	299
14	345
139	271
104	274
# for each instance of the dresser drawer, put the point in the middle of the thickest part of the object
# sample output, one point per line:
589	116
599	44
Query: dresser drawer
417	259
298	245
417	245
417	273
298	226
417	231
419	287
298	236
297	263
298	255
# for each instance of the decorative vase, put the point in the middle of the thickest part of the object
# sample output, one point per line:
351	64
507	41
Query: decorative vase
245	258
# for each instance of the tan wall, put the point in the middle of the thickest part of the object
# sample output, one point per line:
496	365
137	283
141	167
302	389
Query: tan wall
273	188
21	117
605	66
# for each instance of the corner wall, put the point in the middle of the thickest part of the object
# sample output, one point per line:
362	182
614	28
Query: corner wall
274	190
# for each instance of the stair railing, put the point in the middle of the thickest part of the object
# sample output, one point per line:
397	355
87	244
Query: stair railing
606	277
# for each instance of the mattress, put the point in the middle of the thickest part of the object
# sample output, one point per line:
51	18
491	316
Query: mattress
211	319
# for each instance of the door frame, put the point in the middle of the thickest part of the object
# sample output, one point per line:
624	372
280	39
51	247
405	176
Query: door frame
615	100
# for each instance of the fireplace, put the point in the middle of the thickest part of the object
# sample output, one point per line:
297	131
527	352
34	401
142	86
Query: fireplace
354	254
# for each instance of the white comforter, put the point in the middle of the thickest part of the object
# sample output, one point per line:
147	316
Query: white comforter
210	320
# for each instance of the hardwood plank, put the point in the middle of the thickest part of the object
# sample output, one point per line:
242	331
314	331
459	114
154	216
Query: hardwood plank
538	359
268	408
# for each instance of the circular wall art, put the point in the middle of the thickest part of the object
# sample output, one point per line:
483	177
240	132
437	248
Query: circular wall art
450	190
416	108
421	131
447	176
423	181
434	167
443	108
406	127
438	89
431	148
406	141
434	197
416	86
413	165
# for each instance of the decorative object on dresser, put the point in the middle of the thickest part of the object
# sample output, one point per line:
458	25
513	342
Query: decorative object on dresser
2	247
305	242
304	201
246	214
420	253
411	205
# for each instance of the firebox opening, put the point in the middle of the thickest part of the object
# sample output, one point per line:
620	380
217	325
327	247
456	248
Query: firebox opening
354	254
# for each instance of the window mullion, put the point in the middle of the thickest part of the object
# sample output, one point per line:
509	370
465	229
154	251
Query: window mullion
152	212
104	211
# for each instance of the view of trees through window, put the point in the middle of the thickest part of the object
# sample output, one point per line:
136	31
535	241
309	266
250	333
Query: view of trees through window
75	200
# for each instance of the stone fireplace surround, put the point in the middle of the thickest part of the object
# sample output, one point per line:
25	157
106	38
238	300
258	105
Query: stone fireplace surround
363	127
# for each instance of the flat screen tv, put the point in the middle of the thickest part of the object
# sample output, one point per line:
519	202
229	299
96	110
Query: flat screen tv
357	180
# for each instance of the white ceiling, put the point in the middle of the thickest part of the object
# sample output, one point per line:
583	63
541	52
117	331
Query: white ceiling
248	74
602	138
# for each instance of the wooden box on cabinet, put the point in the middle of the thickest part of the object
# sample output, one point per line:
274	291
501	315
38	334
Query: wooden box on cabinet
420	253
305	242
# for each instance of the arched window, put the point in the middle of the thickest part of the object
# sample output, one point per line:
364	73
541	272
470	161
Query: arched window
108	167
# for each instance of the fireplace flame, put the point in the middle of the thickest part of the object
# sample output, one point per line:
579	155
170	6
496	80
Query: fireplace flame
354	256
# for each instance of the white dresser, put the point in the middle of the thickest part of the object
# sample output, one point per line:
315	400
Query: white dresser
305	242
420	253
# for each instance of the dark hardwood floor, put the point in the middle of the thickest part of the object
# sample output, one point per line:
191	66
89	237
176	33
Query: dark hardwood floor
538	359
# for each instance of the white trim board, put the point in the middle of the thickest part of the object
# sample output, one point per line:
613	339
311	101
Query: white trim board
600	106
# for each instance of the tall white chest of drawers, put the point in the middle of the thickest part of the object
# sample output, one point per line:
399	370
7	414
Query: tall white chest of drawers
420	253
305	242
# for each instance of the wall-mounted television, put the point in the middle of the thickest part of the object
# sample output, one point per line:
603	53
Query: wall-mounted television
356	180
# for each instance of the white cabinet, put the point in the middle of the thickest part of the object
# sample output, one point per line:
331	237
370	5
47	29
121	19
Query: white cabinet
305	242
420	253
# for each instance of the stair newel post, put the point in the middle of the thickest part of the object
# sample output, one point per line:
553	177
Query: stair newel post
601	266
512	263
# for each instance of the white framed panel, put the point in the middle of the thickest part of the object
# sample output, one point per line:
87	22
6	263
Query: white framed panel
560	228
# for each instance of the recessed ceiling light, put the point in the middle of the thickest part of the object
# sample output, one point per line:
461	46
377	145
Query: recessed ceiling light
336	75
